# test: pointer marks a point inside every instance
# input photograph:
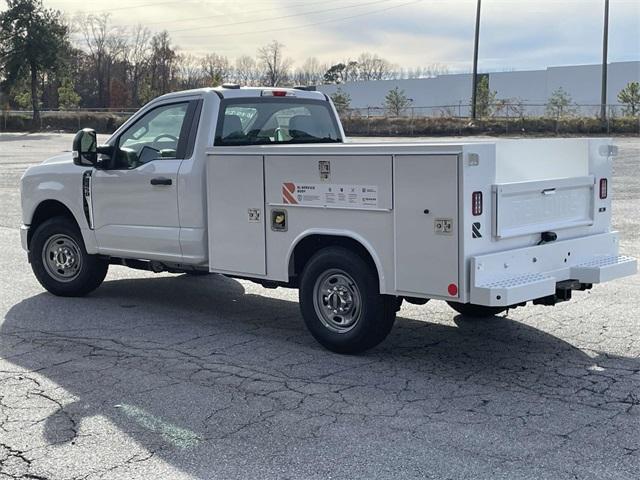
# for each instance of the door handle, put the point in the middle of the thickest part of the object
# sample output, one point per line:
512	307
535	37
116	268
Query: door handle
161	181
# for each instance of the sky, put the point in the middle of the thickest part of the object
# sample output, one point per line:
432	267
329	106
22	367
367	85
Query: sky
514	35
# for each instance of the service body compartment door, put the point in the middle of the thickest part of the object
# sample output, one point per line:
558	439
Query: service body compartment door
235	196
426	234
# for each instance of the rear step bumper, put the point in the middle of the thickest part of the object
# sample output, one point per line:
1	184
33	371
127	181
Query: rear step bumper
516	276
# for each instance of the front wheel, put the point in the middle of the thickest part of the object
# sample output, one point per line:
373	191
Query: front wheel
475	311
341	303
60	261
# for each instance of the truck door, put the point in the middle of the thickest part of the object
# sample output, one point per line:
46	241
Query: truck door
235	198
426	236
135	199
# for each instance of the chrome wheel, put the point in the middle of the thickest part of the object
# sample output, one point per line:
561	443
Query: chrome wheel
62	258
337	301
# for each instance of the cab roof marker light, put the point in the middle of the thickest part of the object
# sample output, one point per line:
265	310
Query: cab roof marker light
277	93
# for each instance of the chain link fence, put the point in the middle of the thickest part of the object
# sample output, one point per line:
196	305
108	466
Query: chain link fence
500	117
496	118
103	120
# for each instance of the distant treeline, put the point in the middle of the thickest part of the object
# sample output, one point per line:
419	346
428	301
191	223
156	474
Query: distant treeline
103	65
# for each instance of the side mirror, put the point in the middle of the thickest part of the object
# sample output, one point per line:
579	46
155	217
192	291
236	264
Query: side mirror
85	148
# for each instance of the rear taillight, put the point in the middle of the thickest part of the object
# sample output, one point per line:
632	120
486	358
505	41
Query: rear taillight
603	188
476	203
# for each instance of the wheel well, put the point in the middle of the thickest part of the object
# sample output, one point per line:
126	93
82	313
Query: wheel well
46	210
308	246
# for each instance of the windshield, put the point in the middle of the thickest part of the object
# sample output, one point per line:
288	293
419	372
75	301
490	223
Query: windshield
263	121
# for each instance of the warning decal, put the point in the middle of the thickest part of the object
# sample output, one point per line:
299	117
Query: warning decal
329	195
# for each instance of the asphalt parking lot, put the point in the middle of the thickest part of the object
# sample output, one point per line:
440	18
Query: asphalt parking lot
167	376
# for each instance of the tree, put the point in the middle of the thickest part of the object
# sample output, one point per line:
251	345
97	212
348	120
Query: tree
246	70
630	97
434	70
372	67
106	45
335	73
311	72
216	69
341	99
559	103
342	72
190	72
162	64
137	59
485	97
396	102
33	40
275	68
68	98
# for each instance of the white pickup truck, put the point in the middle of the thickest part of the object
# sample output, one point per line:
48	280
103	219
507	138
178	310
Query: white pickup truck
257	183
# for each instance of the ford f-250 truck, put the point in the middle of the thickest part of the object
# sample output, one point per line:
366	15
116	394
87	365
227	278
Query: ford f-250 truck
257	183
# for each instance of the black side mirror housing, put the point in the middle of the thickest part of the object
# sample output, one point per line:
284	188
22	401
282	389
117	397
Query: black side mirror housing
85	148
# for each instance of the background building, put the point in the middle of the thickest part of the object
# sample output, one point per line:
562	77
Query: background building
533	88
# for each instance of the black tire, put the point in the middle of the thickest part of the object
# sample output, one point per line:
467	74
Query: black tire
89	271
197	273
377	312
475	311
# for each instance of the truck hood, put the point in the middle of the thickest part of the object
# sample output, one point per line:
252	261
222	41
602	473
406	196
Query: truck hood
61	164
65	157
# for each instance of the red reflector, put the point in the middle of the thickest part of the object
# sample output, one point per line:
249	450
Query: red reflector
476	203
603	188
279	93
452	289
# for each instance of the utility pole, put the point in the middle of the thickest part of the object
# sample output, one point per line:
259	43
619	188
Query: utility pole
605	46
474	94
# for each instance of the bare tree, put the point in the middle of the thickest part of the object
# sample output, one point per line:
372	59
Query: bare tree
275	68
216	69
434	70
245	70
414	73
106	45
311	72
190	73
137	57
372	67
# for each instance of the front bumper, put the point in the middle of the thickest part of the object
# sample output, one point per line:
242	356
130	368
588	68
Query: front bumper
515	276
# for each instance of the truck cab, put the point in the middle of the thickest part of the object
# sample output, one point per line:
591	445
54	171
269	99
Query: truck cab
258	183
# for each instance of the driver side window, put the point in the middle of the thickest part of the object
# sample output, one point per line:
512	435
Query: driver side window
155	135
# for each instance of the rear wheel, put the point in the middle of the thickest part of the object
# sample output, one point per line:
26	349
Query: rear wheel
476	311
60	261
197	273
341	303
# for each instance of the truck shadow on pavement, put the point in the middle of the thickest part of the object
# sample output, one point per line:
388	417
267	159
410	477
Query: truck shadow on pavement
189	366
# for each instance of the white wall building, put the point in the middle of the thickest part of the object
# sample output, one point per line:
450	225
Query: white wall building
582	82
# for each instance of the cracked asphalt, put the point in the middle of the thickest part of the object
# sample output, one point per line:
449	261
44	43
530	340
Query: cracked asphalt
171	377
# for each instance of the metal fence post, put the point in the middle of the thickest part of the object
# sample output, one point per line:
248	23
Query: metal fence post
506	130
411	124
368	121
